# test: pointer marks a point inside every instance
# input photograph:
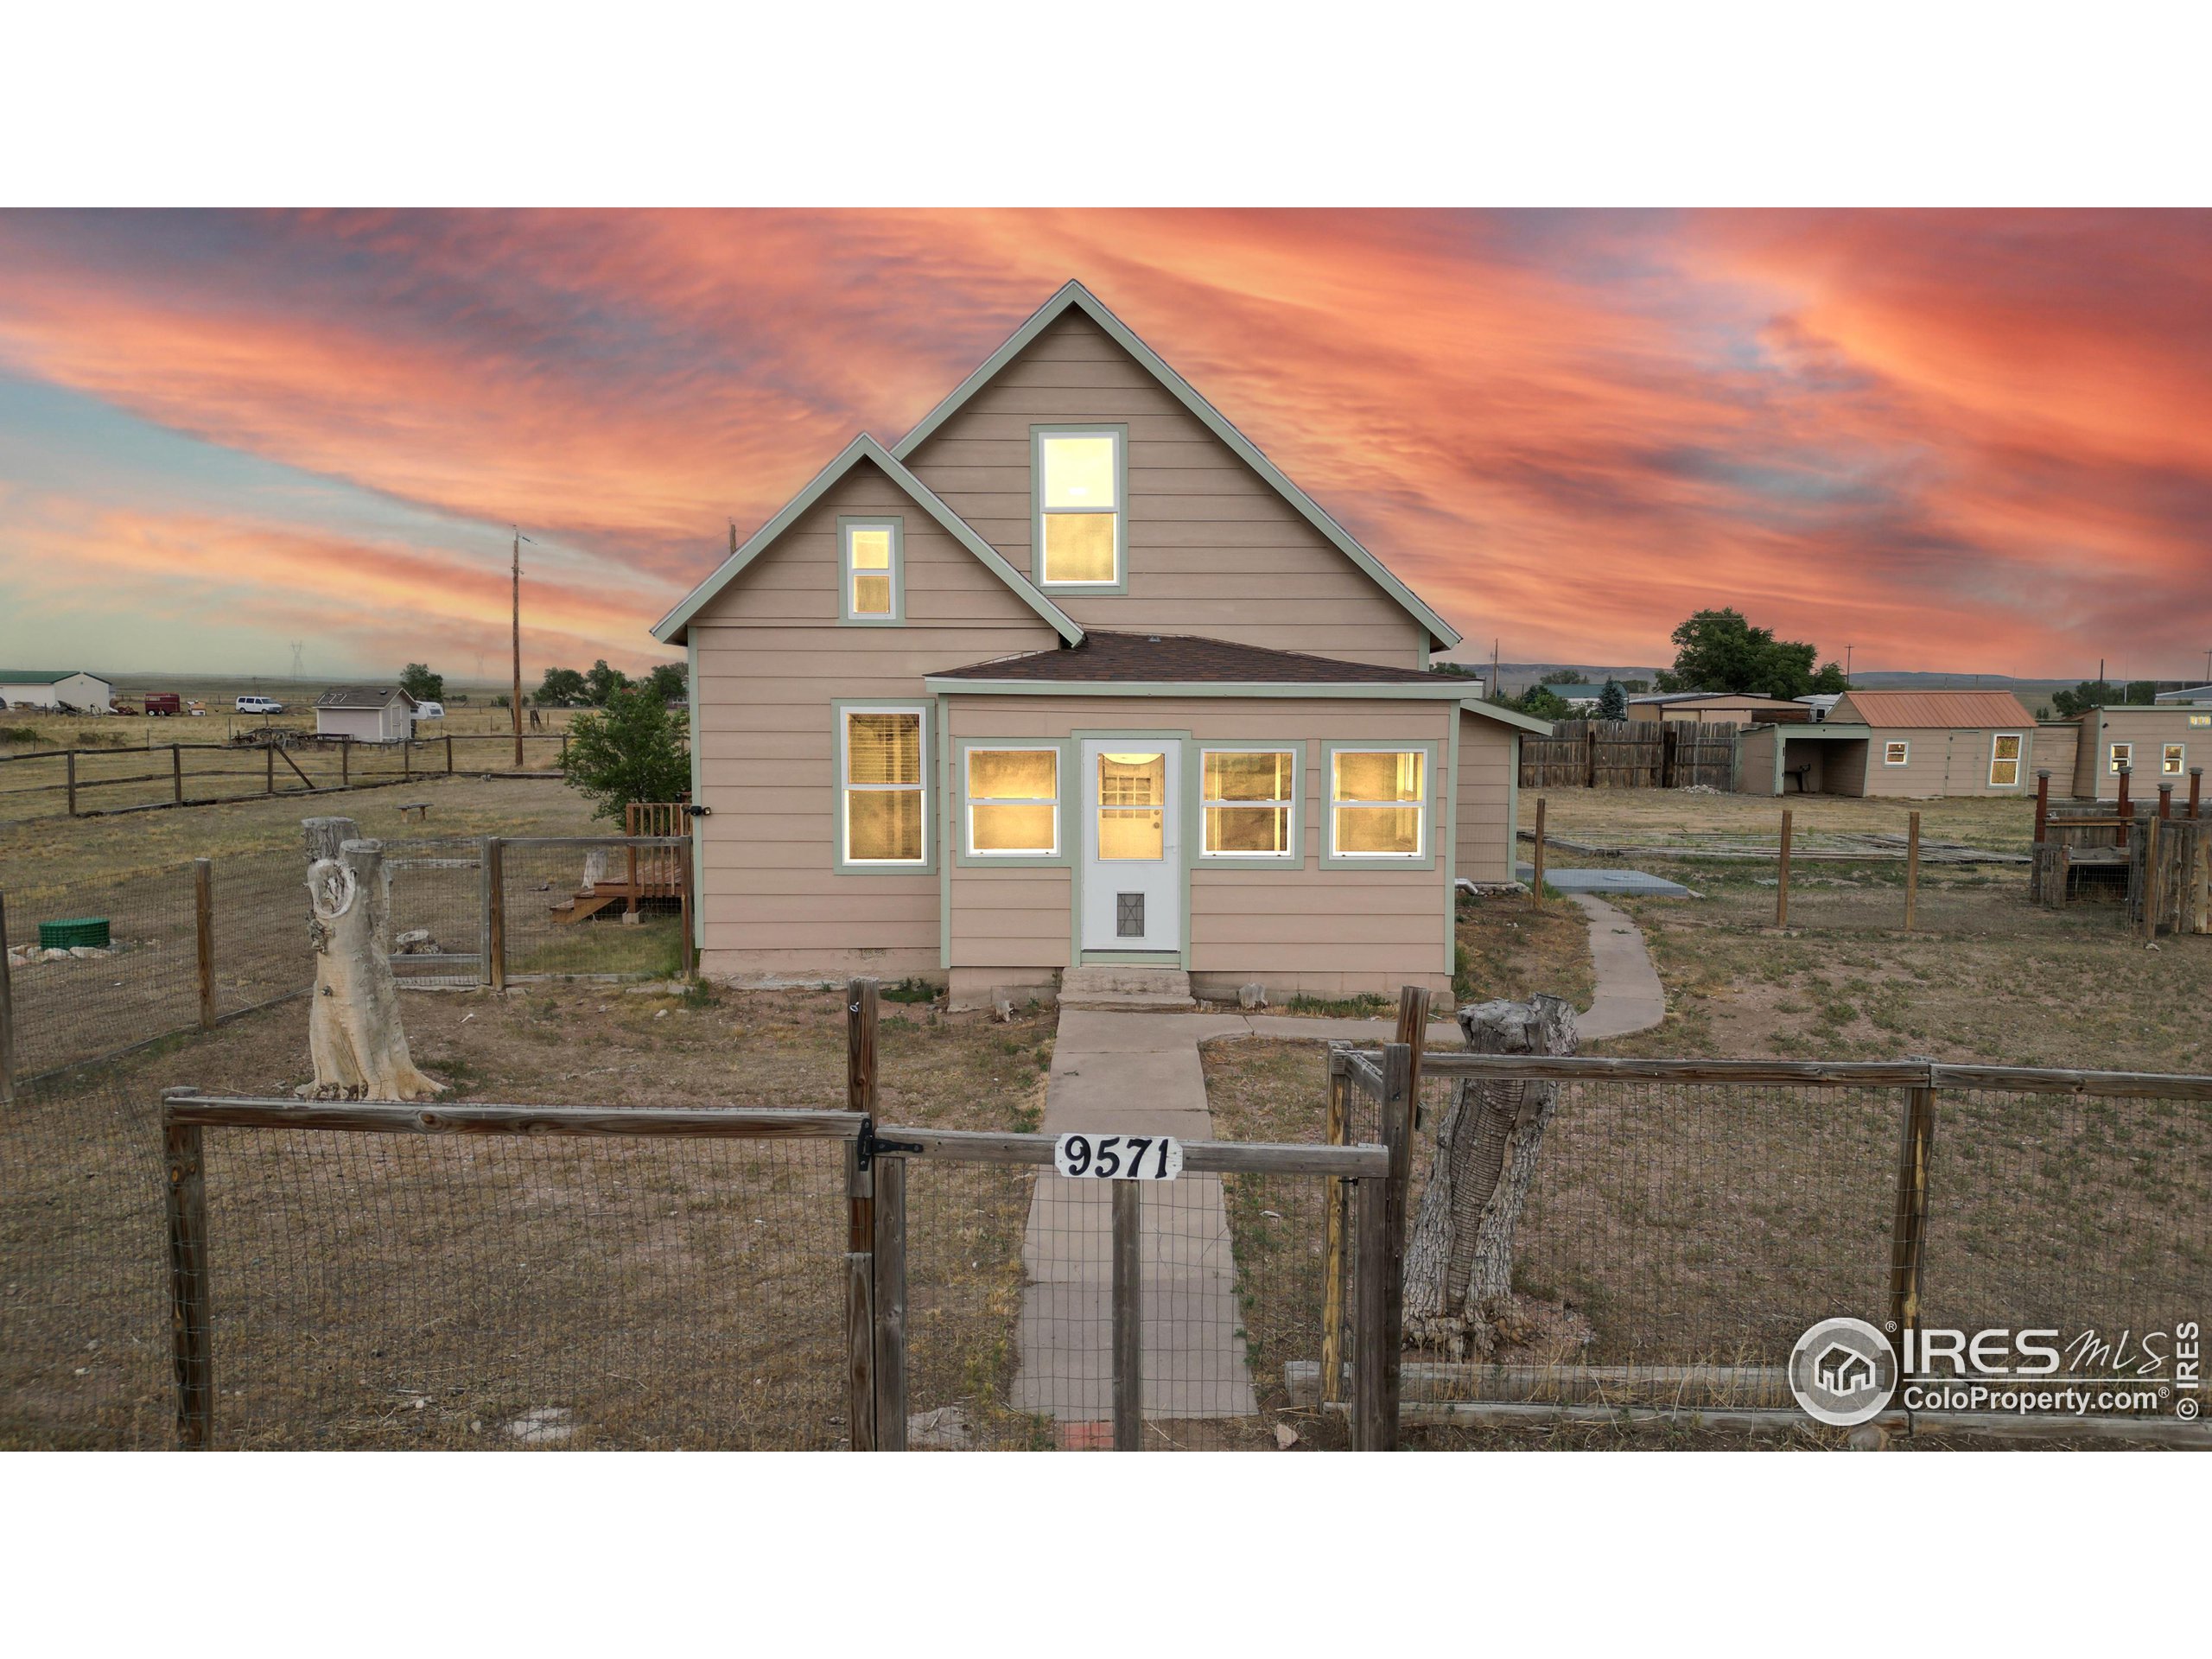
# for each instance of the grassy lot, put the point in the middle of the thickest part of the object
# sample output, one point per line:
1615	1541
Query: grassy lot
1646	817
423	1292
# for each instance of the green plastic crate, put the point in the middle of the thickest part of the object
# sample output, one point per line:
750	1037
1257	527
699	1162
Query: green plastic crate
77	930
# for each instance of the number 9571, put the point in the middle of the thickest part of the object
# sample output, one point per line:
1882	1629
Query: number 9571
1119	1157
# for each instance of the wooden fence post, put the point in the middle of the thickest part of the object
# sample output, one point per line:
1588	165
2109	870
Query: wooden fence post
2195	791
449	754
1128	1314
1908	1225
7	1014
495	912
176	773
344	763
203	919
684	913
1383	1325
1367	1387
2149	877
269	765
1336	1195
860	1045
2119	836
191	1334
2042	804
860	1300
1536	864
1413	1031
888	1294
69	779
1912	866
1782	888
2165	800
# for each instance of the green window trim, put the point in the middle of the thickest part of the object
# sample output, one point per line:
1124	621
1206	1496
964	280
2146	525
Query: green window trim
927	865
1195	818
1120	434
1432	829
959	826
897	525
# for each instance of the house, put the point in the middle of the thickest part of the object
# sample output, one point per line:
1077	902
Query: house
1715	708
2197	694
71	689
1922	744
366	714
1073	677
1844	1371
1819	702
2158	742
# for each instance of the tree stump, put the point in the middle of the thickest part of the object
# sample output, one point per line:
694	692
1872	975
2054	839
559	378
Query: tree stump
354	1035
1459	1259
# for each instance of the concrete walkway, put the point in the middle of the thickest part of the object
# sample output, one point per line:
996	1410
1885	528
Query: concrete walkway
1139	1074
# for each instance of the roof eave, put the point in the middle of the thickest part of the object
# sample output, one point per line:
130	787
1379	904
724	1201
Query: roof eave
670	630
1505	717
1075	294
1405	690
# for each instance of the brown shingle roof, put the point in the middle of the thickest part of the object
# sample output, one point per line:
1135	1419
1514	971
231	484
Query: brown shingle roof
1925	708
361	696
1153	658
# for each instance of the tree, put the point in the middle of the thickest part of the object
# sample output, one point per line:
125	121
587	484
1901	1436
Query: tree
668	680
2143	691
1718	651
355	1040
633	749
1542	702
601	683
2090	694
418	682
1612	701
559	687
1830	681
1562	677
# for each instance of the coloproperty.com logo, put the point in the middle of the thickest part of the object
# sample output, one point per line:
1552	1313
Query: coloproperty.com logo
1845	1372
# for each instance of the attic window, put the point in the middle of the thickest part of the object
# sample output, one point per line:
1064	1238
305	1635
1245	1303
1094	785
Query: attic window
871	577
1079	507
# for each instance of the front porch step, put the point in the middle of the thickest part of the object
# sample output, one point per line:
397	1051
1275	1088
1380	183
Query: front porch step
1125	987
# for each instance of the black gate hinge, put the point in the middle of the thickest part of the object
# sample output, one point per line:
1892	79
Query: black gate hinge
870	1143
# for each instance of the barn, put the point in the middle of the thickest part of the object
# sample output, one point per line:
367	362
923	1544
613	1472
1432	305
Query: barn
366	714
71	690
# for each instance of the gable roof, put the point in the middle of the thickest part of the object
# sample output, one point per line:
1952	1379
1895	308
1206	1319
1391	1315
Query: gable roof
363	697
1108	663
1074	296
670	628
47	676
1671	698
1932	708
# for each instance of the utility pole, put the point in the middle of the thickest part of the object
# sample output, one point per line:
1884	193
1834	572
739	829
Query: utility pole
1495	694
514	702
1847	650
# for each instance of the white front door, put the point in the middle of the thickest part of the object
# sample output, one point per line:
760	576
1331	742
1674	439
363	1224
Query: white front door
1132	844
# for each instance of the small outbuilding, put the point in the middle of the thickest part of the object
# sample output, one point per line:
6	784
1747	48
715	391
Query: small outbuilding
366	714
2158	742
1919	744
1716	707
71	690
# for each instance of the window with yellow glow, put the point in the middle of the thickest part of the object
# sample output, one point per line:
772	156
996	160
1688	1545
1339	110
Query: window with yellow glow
1079	508
1896	755
884	766
2123	754
2004	760
1132	805
1013	798
1378	801
2171	761
871	555
1247	795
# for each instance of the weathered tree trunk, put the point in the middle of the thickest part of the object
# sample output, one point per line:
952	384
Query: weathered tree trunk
1459	1260
354	1035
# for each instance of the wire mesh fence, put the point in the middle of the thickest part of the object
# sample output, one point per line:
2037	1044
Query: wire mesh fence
594	906
438	910
71	1002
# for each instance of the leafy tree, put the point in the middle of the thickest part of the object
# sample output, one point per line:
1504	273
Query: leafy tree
560	686
2090	694
1562	677
668	680
1635	686
1830	681
601	683
1612	701
1718	651
418	682
1542	702
2143	691
633	749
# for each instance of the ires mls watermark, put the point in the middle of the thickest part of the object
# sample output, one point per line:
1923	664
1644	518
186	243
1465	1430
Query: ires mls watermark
1846	1372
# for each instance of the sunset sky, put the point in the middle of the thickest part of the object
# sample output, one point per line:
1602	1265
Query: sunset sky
1972	442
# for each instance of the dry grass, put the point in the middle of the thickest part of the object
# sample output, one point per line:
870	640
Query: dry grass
658	1294
1511	946
1683	818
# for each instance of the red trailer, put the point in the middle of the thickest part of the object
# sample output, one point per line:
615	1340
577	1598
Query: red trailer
164	702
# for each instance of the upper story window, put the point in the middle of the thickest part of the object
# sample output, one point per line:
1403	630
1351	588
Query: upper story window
873	581
1080	513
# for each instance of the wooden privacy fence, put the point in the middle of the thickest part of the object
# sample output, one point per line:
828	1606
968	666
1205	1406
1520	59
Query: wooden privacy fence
1630	754
872	1389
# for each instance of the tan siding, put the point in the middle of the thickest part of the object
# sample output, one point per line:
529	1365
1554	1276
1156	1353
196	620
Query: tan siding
2055	744
772	658
2150	730
1485	849
1755	762
1212	548
1945	763
1319	929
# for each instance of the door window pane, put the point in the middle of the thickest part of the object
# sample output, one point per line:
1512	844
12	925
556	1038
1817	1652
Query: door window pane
1132	794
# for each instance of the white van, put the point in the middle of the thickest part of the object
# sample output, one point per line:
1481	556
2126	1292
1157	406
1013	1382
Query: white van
260	706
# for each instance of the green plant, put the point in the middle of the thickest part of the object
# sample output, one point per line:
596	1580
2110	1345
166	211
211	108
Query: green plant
912	988
632	750
699	994
19	734
1363	1006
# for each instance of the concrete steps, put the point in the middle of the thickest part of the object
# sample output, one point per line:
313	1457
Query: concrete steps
1128	988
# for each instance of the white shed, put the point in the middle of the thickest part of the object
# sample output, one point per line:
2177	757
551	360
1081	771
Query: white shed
55	688
366	713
